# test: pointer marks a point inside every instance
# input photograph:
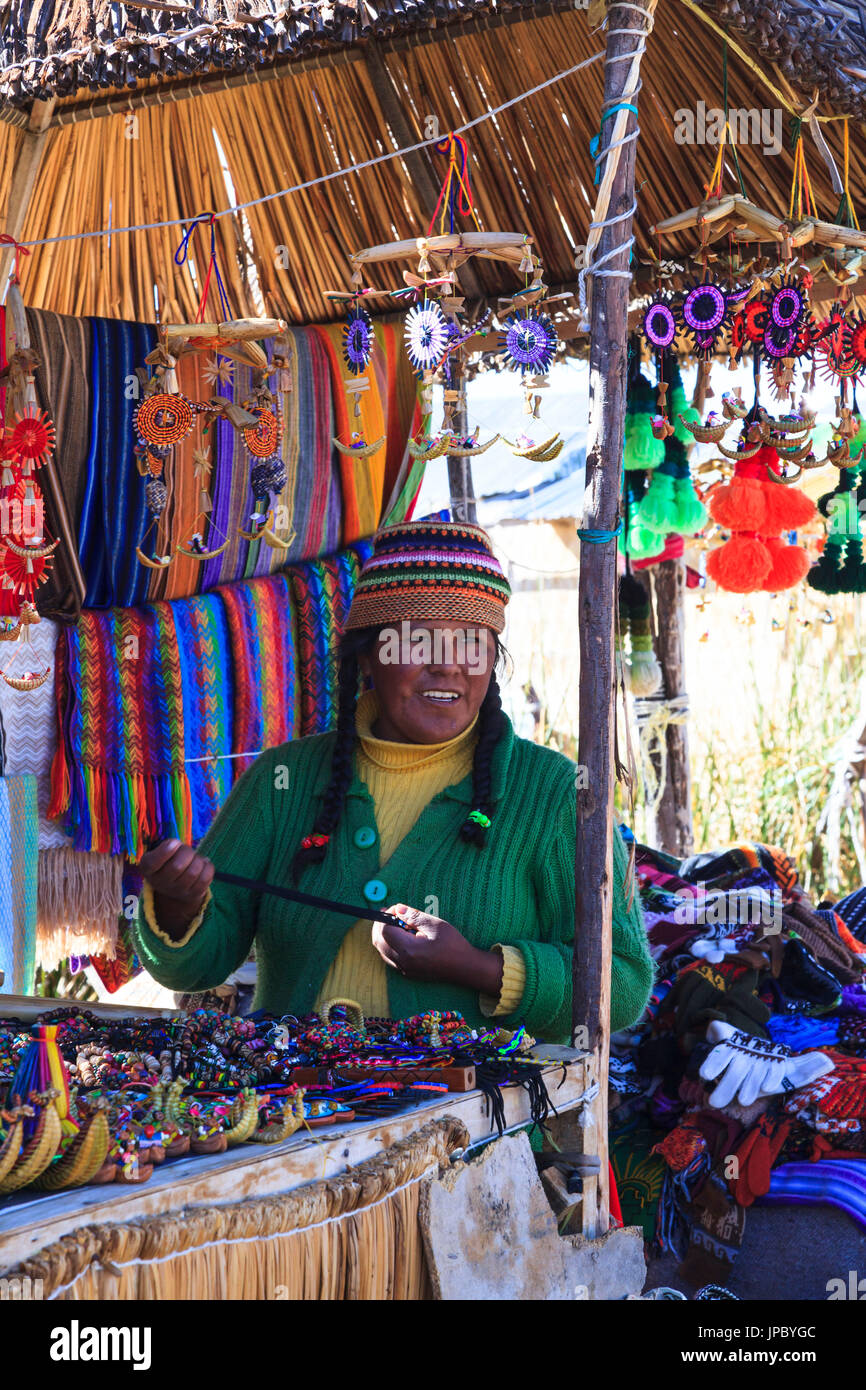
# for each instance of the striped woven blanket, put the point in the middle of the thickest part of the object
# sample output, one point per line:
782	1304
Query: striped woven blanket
113	516
19	832
322	592
160	708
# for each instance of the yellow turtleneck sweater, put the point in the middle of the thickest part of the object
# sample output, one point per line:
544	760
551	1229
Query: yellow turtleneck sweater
402	778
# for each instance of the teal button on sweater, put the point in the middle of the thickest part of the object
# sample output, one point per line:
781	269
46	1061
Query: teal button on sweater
518	890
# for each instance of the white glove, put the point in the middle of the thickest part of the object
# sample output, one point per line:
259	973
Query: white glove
751	1067
714	951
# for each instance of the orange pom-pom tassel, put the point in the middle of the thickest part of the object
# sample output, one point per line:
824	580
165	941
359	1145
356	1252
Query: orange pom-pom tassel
787	508
740	565
741	505
790	565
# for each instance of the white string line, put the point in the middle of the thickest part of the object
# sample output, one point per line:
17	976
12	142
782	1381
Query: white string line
220	757
246	1240
326	178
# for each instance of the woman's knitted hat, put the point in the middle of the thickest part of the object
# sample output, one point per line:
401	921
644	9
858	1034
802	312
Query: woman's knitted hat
424	571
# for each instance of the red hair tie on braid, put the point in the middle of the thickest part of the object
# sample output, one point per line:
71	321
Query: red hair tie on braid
314	841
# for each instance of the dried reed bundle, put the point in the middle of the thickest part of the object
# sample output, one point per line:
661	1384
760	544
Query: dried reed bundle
355	1236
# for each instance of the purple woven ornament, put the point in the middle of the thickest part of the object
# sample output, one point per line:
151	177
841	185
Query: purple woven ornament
659	324
358	341
779	342
704	308
529	342
788	305
260	479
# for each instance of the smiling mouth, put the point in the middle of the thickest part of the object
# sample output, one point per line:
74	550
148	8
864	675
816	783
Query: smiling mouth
440	697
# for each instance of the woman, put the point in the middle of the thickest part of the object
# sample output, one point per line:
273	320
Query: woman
422	802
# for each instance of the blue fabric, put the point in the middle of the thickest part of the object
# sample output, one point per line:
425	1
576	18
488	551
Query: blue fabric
801	1033
113	517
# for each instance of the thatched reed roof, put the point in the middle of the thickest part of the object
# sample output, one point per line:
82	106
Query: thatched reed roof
283	123
60	47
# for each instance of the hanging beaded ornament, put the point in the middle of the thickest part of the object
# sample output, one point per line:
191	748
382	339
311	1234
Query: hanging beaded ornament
426	336
358	340
529	342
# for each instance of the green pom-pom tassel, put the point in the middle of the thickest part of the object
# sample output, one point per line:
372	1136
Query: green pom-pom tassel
691	512
826	576
658	510
642	449
852	575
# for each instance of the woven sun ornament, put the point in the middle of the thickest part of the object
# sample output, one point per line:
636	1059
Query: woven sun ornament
31	440
529	342
263	439
358	340
162	420
704	312
426	335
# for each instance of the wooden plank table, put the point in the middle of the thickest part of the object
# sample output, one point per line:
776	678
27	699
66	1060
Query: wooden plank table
29	1222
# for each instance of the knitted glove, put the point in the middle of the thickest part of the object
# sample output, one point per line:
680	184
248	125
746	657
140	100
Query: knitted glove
705	991
824	942
705	948
756	1156
746	1067
847	1098
804	985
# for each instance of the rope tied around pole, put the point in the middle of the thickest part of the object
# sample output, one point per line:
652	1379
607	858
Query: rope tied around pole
622	107
655	714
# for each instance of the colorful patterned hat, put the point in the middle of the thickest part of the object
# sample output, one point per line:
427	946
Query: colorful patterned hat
425	571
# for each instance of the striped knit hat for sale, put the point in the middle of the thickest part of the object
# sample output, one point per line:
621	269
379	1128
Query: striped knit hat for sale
425	571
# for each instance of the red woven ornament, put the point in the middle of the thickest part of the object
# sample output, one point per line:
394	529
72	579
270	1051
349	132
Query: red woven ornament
757	317
24	571
31	440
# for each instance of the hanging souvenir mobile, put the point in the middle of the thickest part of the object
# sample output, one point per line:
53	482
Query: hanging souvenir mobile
435	338
161	420
26	550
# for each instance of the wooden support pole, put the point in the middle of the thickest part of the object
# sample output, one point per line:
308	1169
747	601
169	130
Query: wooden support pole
674	815
23	179
597	592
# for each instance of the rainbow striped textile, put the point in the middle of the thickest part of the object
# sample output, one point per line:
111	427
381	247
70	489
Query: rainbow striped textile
161	708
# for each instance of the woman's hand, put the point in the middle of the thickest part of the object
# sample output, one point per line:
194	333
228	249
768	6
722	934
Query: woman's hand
180	879
434	950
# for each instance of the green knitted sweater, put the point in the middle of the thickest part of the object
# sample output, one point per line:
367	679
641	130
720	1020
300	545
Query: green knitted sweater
518	890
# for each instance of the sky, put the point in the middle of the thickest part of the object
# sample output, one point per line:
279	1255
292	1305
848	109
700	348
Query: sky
495	402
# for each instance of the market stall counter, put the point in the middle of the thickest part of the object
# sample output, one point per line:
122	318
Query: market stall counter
333	1210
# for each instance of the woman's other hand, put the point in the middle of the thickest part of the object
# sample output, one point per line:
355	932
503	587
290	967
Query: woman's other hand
435	950
180	879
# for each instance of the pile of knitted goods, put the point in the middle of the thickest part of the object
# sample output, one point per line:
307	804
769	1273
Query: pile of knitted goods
745	1080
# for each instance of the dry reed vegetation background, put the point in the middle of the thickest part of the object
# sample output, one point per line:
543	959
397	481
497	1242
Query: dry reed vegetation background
774	684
